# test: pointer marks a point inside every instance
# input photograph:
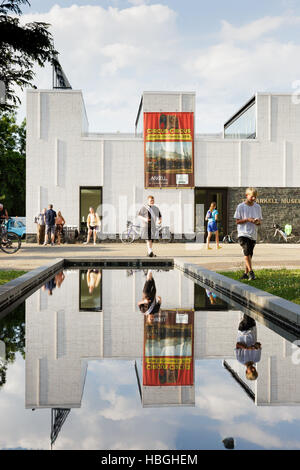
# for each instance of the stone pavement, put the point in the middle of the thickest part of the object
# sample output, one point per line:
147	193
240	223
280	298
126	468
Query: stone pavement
230	257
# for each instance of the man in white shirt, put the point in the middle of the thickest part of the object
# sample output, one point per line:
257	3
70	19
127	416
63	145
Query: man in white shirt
248	349
248	216
150	215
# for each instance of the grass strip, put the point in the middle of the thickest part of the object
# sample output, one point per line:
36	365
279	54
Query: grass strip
6	276
284	283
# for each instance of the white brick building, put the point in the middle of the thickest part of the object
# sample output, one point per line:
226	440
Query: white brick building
67	165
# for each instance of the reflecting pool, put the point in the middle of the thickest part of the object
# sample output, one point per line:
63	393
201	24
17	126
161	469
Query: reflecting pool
134	359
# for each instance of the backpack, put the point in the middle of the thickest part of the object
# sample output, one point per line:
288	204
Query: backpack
287	229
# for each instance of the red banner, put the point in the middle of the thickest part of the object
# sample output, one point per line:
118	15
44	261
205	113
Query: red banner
169	349
169	150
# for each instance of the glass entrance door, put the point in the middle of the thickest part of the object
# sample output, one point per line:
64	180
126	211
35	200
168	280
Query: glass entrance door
89	197
204	197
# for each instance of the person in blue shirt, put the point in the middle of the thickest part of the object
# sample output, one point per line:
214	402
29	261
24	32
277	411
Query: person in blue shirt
212	227
50	216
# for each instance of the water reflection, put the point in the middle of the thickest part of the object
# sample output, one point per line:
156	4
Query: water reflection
168	359
12	340
248	349
54	282
90	294
80	357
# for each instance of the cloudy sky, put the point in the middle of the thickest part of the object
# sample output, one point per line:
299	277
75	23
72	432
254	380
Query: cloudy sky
113	50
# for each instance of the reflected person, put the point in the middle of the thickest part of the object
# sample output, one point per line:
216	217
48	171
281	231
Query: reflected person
93	279
50	286
212	297
59	279
150	303
248	349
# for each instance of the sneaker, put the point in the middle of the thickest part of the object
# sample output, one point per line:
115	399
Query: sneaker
244	276
209	248
84	243
251	276
151	254
95	243
219	247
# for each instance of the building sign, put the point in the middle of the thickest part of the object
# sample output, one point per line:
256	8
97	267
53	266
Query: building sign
169	150
169	348
285	200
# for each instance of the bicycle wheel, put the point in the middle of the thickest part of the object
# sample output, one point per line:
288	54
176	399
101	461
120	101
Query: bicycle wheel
128	236
234	236
10	243
165	235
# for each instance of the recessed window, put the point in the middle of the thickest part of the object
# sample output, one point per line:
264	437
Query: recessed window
243	124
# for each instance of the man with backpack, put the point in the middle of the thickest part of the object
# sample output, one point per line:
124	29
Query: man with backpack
50	217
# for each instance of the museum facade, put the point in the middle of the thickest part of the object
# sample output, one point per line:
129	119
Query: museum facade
74	169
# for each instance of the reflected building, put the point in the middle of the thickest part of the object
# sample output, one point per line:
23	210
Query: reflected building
168	368
62	337
278	382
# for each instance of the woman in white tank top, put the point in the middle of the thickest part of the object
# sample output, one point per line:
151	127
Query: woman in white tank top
93	224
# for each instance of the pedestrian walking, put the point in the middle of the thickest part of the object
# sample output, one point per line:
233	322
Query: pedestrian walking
212	226
59	226
248	217
40	227
93	225
50	217
149	215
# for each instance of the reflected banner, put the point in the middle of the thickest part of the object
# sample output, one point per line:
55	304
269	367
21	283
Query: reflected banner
169	349
169	150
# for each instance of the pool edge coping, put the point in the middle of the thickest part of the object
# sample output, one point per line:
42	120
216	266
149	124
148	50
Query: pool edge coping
250	296
20	286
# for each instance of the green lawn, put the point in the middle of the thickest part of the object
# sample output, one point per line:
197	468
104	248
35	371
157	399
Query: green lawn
282	282
6	276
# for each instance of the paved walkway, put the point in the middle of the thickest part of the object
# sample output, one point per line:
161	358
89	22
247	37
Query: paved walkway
228	258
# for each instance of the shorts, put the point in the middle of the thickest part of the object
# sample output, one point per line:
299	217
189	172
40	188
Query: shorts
212	226
149	290
50	229
247	244
149	232
93	227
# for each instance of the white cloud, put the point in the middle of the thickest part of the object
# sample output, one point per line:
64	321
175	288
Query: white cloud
115	54
252	31
138	2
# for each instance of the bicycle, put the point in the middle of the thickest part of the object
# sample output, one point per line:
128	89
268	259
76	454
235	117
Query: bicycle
281	235
133	232
234	236
265	236
10	242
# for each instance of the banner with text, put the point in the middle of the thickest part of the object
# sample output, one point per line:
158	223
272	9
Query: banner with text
169	348
169	150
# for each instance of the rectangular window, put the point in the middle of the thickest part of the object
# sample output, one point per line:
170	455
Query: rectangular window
90	290
243	124
89	197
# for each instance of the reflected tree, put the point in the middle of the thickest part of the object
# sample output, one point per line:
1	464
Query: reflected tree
12	333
